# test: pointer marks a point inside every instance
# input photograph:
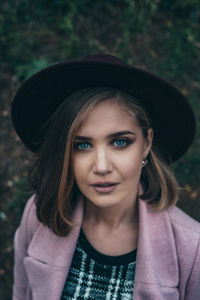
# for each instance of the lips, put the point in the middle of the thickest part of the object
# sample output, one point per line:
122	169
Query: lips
105	187
104	183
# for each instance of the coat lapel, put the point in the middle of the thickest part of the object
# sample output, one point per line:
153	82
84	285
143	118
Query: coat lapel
49	259
157	273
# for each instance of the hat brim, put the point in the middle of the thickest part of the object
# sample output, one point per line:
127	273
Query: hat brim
171	115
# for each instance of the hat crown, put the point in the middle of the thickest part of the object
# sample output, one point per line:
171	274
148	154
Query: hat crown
104	58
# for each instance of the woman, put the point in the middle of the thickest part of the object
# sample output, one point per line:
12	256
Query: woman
102	223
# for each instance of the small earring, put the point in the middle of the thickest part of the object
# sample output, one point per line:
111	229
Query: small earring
144	162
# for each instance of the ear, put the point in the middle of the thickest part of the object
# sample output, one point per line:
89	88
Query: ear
148	142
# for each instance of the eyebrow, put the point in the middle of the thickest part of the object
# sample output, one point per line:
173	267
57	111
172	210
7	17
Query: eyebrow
112	135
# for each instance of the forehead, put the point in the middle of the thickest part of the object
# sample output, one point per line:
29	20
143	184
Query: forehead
108	116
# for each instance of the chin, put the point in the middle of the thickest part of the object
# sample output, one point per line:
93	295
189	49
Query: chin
103	201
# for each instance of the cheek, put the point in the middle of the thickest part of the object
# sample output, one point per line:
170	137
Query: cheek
81	171
130	162
80	166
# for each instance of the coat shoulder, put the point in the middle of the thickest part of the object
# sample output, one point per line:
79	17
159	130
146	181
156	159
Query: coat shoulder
179	217
186	233
29	221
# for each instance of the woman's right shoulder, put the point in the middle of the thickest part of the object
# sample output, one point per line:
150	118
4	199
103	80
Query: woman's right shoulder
29	221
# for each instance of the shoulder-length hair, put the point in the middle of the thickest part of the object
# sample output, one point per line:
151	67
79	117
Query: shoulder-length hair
52	177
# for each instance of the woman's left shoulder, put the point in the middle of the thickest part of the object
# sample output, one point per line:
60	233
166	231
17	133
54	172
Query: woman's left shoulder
186	234
186	230
181	219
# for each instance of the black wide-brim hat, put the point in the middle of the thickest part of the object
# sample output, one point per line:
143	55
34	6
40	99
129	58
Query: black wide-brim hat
38	98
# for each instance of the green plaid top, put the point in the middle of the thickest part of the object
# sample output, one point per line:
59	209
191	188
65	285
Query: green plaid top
93	275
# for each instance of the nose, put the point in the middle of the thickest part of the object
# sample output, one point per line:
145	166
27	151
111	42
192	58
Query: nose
102	163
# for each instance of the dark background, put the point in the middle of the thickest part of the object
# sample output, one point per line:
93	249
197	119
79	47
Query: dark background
162	36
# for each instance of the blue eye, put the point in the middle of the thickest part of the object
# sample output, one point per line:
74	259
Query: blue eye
82	146
120	143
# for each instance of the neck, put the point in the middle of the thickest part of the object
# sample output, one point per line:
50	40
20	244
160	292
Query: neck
111	218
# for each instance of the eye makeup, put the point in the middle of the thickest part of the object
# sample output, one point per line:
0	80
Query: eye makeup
122	142
118	143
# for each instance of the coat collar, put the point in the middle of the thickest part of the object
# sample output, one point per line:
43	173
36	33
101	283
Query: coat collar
157	261
52	249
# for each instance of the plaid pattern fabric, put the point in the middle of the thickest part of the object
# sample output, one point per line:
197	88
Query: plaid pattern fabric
96	276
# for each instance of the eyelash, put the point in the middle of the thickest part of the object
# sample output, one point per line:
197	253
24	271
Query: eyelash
126	140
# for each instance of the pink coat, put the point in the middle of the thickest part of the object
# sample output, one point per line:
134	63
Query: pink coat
167	266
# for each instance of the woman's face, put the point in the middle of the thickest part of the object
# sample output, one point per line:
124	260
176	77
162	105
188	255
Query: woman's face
108	154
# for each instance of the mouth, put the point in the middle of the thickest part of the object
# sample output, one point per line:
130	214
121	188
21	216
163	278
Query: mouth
105	187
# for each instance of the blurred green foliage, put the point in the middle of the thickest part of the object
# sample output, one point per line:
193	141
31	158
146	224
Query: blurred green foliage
159	35
15	205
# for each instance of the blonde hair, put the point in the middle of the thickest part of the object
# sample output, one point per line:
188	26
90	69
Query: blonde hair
55	208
